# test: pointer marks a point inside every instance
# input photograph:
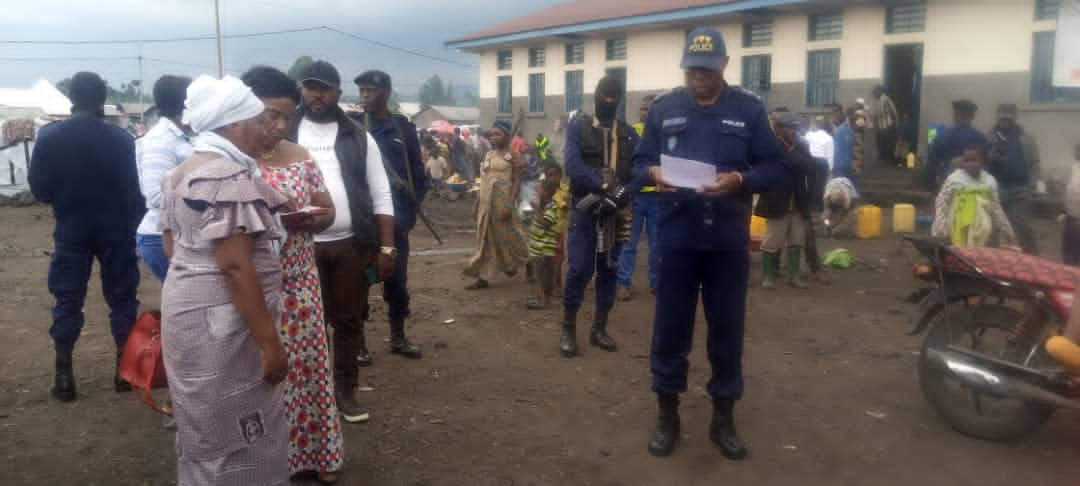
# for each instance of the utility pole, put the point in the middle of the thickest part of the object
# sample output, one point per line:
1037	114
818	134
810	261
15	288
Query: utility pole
217	24
142	82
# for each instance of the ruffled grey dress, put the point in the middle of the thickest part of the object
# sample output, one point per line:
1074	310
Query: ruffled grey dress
231	427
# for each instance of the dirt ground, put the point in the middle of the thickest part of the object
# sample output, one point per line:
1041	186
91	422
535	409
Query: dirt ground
831	392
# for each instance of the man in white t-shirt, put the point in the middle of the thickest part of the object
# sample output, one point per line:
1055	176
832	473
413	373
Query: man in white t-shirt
358	248
822	149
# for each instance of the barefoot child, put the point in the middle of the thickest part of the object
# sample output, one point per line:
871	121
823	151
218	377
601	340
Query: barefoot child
967	210
544	237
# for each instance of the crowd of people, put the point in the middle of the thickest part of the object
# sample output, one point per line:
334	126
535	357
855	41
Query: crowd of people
268	212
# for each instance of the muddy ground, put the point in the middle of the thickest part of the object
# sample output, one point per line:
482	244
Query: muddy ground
831	392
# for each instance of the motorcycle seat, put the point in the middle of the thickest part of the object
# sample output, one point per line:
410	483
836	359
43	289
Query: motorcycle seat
1014	266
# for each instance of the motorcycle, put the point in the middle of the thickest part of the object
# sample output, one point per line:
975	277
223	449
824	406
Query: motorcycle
986	315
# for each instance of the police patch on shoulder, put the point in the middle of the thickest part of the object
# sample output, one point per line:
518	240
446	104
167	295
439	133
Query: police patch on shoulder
745	92
669	122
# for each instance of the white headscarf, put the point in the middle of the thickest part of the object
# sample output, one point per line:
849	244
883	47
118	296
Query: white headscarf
213	103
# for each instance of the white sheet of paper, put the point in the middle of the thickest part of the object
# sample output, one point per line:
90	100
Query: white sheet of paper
686	173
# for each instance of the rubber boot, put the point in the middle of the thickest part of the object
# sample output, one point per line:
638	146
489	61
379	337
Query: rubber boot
399	344
666	435
119	384
769	263
598	336
64	383
794	279
568	341
722	430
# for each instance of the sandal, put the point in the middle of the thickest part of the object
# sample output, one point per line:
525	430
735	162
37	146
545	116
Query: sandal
477	285
535	304
328	478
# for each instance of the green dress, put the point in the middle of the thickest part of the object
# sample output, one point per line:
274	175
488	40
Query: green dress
500	244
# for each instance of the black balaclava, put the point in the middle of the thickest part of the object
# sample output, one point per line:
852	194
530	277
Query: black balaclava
607	87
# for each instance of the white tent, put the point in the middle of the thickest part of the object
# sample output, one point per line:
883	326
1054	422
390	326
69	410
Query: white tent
42	97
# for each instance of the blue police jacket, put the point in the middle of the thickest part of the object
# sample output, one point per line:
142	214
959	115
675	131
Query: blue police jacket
85	168
394	150
734	134
581	173
951	144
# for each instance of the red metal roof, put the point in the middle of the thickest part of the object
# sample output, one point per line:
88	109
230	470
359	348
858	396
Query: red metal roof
583	11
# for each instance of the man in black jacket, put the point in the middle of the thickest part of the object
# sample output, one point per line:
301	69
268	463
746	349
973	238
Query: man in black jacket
85	168
400	149
787	209
363	230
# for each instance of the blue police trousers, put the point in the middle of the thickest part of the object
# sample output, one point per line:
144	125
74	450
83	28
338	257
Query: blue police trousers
583	261
396	290
69	274
646	209
721	277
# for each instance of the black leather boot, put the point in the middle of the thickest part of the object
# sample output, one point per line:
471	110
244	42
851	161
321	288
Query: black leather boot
399	344
64	384
598	336
668	427
722	430
568	341
119	384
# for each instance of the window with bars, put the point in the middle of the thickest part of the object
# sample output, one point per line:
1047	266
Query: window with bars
826	26
1047	9
575	90
757	33
575	53
505	59
1042	73
536	93
757	75
616	49
504	102
908	17
822	76
537	57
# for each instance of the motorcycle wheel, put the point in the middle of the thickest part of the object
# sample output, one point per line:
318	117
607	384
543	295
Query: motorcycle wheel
984	329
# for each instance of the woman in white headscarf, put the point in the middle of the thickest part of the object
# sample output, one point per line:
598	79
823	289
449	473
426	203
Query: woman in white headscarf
220	300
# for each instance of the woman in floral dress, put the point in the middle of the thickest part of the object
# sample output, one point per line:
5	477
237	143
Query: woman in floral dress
315	438
501	246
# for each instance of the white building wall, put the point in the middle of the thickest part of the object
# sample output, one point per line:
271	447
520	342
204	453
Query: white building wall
961	37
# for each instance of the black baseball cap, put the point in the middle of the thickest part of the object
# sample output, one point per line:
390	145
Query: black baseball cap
705	49
787	119
321	72
374	78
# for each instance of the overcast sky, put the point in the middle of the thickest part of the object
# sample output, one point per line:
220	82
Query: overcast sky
419	25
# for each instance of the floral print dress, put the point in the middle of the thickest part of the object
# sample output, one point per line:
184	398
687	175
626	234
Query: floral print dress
315	438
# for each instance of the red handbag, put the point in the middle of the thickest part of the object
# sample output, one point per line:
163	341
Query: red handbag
142	364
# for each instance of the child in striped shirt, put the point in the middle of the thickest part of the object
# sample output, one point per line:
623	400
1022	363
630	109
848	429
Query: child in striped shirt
544	236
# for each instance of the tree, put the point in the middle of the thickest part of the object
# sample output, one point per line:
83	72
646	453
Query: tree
299	65
432	92
451	97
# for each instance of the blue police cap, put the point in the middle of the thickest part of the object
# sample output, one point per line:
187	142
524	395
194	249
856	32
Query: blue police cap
705	49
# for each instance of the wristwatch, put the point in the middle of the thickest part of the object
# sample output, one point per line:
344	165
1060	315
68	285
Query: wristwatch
388	251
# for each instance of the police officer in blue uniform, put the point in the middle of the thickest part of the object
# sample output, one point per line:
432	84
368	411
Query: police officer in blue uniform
400	149
598	154
704	232
85	168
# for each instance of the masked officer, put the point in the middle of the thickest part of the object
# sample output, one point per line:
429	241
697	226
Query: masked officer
704	232
400	149
598	154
